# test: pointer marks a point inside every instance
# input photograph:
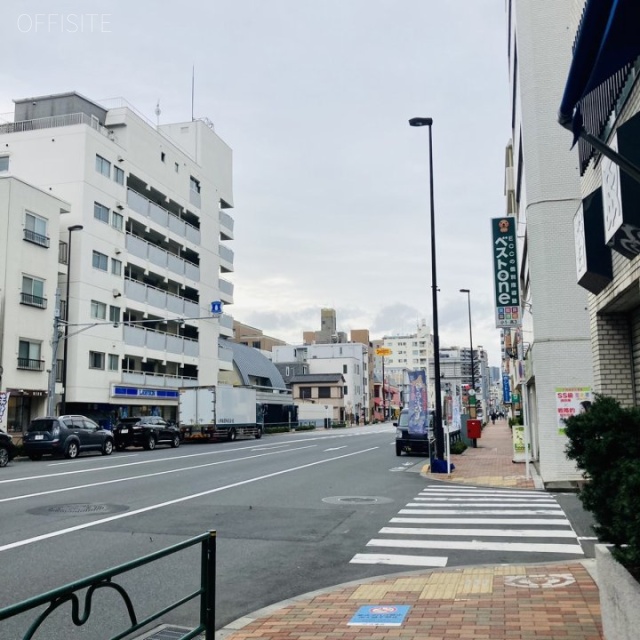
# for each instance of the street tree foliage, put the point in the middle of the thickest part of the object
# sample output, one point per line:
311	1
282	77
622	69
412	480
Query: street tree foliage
604	441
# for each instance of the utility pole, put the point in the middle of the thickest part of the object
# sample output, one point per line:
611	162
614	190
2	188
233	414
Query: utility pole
53	372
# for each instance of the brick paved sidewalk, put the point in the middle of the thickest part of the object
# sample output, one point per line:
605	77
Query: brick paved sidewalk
535	602
490	463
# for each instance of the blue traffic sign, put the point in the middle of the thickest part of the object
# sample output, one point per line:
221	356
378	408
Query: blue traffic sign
216	307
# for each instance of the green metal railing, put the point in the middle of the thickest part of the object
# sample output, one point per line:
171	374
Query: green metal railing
104	580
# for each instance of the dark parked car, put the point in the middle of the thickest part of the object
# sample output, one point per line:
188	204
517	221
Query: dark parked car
7	449
66	435
145	431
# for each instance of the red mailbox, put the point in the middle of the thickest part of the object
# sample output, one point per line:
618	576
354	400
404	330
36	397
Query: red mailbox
474	429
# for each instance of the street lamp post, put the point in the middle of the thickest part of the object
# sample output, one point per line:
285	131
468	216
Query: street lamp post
63	403
439	427
472	406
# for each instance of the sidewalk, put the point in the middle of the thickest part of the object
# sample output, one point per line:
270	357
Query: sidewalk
556	601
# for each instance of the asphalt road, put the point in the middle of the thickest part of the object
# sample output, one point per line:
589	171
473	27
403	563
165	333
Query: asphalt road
293	513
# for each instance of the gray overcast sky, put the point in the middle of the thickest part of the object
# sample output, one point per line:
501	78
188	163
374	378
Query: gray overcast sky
331	185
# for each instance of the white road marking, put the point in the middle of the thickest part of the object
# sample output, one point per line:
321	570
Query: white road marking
501	500
529	521
411	561
455	504
58	464
336	448
132	464
476	545
480	512
140	477
161	505
495	533
485	492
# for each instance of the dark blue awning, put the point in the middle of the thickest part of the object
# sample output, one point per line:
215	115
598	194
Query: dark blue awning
608	39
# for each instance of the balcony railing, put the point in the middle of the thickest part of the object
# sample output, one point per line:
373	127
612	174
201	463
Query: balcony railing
30	365
139	337
36	238
162	216
33	301
132	376
154	254
147	294
51	122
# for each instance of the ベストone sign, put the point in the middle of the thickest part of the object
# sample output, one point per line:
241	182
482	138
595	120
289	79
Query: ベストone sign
505	270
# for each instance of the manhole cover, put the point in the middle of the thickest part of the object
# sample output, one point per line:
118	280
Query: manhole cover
78	509
357	500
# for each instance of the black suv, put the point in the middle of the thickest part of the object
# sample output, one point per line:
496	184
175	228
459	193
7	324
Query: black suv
7	449
65	435
145	431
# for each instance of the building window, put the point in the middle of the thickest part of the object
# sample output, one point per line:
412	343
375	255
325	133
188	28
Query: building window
345	390
324	392
4	163
96	360
29	356
163	156
33	292
103	166
194	184
98	310
113	362
35	229
114	314
286	372
344	368
117	220
176	167
118	175
256	344
100	212
116	267
100	261
305	393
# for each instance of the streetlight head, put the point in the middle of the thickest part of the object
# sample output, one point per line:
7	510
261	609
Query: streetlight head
421	122
76	227
465	290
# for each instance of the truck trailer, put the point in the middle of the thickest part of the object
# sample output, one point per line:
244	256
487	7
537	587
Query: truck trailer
225	412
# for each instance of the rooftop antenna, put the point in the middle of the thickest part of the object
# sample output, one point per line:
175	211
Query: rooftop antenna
158	112
193	88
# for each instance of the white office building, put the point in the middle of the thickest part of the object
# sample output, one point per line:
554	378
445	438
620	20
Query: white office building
543	192
148	261
350	359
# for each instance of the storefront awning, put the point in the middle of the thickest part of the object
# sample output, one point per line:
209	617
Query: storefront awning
607	41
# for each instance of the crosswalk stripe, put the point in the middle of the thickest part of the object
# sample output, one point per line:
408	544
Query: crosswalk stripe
466	505
486	499
496	512
476	545
527	521
466	492
506	533
411	561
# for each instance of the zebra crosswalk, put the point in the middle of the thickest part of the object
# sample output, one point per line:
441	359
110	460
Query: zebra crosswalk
442	519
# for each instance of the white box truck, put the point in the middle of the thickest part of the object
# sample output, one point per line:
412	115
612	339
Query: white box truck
227	412
221	412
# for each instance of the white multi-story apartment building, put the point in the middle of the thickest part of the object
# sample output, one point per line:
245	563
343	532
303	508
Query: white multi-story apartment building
543	192
149	260
30	220
350	359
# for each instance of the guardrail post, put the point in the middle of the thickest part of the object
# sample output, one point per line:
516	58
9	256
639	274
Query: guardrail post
208	605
